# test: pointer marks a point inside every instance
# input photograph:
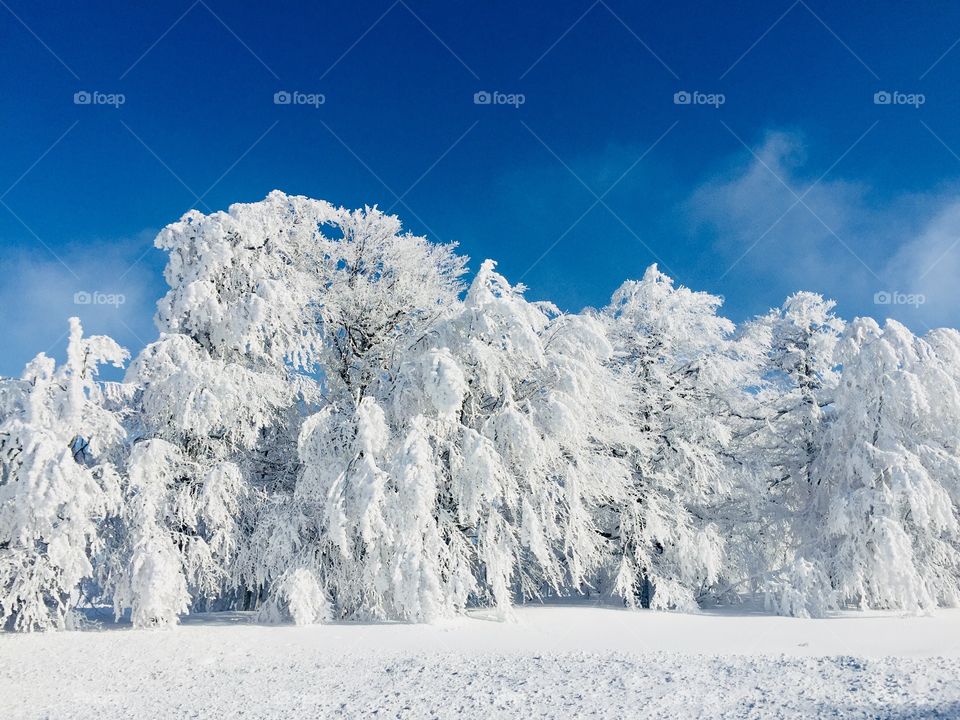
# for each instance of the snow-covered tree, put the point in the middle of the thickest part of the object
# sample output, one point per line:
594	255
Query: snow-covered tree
473	463
685	374
782	438
57	481
217	398
539	449
886	528
376	291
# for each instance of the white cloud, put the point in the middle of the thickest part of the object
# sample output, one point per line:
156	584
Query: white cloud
39	292
842	239
929	264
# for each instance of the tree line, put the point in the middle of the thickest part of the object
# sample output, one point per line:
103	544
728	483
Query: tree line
333	424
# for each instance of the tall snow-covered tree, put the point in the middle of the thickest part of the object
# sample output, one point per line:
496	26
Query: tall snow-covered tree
218	398
474	461
799	377
363	504
540	445
683	369
57	481
886	529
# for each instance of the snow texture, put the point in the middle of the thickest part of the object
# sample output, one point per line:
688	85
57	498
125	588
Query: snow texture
553	662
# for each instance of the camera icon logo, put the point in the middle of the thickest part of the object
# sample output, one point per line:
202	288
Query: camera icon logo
82	298
482	98
882	98
882	298
682	98
282	97
82	98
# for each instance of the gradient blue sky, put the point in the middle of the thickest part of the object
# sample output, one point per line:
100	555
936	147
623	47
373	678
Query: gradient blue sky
798	181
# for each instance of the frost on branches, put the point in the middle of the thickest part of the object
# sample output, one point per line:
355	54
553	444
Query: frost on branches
333	422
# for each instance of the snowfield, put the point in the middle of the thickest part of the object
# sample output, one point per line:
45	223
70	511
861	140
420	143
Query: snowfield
553	661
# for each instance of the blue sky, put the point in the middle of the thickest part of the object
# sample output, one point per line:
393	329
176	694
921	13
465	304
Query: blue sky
798	180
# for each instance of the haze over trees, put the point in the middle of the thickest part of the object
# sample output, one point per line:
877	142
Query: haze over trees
334	424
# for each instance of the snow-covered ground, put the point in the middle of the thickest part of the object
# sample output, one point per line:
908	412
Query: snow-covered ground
553	661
